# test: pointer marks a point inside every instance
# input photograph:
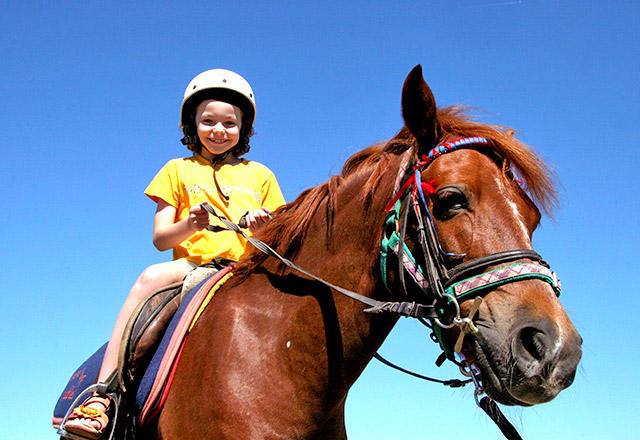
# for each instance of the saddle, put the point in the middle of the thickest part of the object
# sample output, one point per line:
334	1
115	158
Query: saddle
148	351
150	320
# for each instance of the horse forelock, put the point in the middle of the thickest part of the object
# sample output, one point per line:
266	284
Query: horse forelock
287	230
519	161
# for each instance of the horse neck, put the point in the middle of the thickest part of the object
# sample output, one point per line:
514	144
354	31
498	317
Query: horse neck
343	245
344	250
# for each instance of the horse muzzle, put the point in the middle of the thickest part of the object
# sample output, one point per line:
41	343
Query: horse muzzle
532	365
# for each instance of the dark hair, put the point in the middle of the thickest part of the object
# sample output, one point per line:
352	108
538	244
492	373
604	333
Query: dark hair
190	131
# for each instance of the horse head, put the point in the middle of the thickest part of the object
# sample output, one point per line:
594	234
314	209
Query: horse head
479	222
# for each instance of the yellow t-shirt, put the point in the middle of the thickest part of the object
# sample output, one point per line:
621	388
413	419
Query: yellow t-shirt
184	183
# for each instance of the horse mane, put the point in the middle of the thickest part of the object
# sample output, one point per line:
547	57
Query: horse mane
288	229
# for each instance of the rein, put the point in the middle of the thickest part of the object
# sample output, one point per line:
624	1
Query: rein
399	308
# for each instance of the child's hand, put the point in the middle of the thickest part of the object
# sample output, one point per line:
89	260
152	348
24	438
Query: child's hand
198	218
257	218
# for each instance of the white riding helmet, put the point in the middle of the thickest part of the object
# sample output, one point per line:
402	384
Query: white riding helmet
220	84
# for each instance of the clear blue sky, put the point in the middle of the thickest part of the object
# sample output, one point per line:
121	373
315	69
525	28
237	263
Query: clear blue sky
90	96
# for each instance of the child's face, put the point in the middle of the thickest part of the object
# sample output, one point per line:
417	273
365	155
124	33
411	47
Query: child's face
218	125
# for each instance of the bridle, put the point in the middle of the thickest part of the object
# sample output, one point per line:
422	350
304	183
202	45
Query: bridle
445	288
442	289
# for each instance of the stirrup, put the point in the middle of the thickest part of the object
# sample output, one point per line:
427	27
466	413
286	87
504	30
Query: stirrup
99	388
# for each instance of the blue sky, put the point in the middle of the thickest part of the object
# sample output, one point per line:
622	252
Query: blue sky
90	95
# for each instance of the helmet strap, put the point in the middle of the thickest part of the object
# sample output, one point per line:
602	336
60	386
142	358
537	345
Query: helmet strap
214	161
192	139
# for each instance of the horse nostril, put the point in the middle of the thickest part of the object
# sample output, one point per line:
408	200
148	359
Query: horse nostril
532	341
544	358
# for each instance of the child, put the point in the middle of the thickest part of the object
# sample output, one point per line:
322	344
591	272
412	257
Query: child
217	115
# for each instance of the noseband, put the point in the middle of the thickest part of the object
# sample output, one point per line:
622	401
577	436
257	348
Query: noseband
444	287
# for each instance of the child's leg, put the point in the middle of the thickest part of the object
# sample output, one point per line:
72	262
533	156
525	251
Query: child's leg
153	278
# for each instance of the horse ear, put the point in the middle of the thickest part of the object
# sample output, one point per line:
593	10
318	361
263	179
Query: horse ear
419	109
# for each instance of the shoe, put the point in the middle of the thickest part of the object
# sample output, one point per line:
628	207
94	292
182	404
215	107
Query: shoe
80	421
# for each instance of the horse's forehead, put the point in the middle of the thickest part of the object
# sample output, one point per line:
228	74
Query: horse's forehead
480	173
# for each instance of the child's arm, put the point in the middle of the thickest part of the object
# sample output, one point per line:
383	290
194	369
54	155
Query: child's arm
167	234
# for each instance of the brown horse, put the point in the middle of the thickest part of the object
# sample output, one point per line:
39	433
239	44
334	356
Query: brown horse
275	352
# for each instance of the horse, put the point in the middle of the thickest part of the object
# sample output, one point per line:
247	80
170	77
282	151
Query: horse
275	352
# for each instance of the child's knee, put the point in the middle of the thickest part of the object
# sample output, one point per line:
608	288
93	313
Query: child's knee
149	280
149	275
158	276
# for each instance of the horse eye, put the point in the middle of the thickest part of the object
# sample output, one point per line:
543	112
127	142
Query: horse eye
449	202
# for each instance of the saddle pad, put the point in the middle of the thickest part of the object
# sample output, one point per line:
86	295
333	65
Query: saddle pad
84	377
156	381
